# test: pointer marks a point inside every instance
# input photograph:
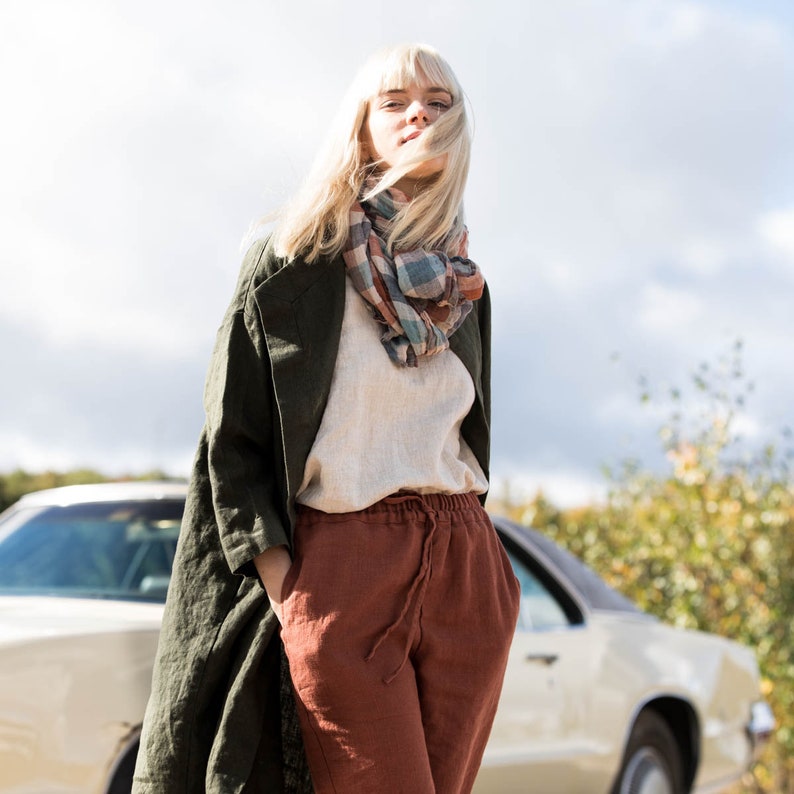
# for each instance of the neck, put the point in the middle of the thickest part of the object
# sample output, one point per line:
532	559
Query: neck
409	186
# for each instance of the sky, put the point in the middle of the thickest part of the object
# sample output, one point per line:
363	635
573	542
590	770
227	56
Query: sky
630	201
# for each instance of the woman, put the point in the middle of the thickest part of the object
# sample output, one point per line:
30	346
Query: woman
335	507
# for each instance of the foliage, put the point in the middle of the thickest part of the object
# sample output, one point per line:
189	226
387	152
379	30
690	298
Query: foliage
706	543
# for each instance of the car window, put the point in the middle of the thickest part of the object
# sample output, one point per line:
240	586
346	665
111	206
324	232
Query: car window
110	550
539	608
591	588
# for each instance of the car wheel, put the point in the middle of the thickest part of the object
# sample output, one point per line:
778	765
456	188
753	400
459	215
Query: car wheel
121	779
652	762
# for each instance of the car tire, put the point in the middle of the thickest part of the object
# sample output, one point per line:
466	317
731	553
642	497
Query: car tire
121	780
652	762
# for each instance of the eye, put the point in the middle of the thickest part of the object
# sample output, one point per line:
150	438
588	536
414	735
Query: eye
390	104
440	105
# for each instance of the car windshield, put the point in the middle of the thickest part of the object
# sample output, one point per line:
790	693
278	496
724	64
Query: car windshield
100	550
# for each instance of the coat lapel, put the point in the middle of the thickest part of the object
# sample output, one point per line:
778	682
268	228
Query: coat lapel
465	343
301	308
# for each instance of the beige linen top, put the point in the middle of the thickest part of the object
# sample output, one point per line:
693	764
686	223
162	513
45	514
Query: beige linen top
388	428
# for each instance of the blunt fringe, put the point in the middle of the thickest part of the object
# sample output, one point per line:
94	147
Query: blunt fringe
315	222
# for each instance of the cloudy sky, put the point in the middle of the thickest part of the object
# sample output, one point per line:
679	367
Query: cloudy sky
631	202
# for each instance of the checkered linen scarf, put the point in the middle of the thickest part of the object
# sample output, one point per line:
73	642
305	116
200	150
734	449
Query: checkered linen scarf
420	297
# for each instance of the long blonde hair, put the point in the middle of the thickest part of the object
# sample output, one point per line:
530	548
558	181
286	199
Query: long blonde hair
316	222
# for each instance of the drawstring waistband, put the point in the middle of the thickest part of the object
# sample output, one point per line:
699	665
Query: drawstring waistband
416	592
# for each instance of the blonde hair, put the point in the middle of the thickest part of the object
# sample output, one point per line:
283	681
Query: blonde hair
316	222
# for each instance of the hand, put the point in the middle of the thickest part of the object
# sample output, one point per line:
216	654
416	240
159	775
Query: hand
272	566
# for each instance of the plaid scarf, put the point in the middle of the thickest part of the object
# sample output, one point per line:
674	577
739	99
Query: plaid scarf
420	297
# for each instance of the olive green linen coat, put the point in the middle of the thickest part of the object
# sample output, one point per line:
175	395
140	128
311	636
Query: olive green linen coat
221	718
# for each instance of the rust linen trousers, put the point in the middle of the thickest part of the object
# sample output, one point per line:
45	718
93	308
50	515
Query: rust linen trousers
397	624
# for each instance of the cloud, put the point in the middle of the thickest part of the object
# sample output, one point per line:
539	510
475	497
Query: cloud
668	312
630	192
777	231
91	405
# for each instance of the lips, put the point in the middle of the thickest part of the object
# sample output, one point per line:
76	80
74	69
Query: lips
410	137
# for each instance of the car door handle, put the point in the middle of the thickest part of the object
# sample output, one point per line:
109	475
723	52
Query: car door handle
542	658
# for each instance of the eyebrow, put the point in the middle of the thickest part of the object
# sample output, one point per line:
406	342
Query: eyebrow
430	90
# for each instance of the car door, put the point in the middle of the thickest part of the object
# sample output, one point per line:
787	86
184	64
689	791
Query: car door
540	739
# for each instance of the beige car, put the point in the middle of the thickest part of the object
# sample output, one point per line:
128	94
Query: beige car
599	698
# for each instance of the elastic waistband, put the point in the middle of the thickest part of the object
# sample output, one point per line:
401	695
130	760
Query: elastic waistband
409	501
433	501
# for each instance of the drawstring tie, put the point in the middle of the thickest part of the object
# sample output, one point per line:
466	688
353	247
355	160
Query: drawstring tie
417	588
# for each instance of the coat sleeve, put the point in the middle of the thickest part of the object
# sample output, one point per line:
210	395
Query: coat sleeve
243	446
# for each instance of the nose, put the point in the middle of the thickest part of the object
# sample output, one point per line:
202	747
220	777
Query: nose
418	112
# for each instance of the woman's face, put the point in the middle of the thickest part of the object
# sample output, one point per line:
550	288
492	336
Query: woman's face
398	118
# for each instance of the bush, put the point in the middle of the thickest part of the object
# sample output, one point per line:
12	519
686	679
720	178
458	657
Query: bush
704	544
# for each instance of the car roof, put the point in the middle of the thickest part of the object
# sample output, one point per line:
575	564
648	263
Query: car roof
105	492
568	570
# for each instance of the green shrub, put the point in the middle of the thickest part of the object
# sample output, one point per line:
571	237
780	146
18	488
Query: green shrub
705	543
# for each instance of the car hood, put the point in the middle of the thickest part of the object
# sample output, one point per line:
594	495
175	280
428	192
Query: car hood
675	637
26	618
706	666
